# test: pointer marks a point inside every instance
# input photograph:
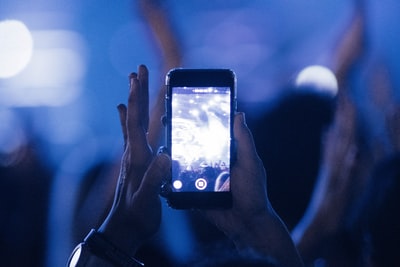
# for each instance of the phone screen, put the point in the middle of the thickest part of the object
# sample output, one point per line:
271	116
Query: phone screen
200	138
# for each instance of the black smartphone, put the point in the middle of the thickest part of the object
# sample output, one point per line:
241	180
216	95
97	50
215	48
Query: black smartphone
200	107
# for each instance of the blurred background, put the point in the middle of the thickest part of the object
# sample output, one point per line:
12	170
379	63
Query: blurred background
64	68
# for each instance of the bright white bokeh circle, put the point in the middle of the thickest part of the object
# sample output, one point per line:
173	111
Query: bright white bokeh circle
16	45
319	78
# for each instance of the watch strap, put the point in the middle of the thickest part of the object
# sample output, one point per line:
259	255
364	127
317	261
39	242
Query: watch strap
103	248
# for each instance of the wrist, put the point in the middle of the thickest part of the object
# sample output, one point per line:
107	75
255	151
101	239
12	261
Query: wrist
119	235
96	250
308	238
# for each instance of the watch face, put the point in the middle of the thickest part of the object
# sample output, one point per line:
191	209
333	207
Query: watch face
76	254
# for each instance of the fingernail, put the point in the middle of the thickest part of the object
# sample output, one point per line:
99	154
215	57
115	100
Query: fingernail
242	118
132	76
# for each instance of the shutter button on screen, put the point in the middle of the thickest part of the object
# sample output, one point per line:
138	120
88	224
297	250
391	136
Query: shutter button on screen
201	183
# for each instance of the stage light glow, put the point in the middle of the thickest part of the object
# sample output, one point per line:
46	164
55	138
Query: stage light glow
54	75
319	78
16	46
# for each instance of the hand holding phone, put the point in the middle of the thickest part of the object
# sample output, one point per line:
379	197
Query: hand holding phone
200	105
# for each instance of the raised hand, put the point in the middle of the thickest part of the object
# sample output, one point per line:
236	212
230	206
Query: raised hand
252	223
136	212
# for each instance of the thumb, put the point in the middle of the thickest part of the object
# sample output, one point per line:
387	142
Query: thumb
155	175
246	149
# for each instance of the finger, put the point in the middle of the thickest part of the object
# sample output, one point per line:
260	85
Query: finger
246	149
138	154
143	77
133	103
248	163
136	132
122	119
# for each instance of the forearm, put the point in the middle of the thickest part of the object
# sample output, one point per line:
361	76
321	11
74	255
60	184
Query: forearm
322	218
308	237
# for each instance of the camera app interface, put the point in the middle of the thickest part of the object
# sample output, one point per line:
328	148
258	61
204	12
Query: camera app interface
200	138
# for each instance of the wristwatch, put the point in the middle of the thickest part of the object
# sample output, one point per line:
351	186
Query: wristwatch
95	245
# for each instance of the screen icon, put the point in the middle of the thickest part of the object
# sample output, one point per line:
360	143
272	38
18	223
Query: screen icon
201	183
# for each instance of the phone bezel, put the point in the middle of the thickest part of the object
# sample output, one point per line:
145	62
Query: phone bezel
181	77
